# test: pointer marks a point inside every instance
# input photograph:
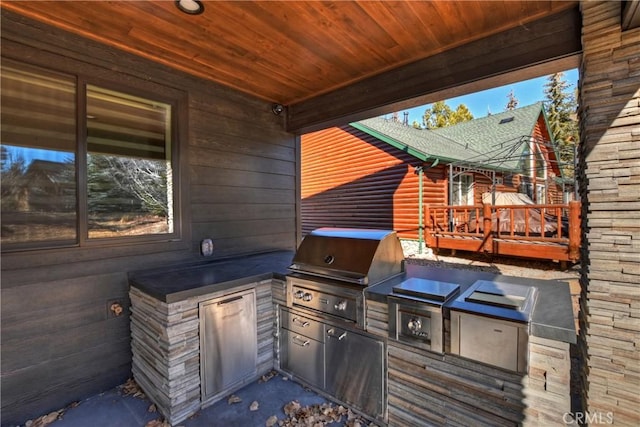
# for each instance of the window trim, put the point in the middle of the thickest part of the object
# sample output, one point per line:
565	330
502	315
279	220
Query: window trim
457	189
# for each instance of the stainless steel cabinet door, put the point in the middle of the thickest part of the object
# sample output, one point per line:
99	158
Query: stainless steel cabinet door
228	341
354	370
302	356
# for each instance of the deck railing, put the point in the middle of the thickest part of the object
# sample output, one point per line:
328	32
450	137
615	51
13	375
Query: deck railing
481	227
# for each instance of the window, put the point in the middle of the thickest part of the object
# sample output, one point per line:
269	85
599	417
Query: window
541	165
58	189
524	164
541	194
128	165
462	192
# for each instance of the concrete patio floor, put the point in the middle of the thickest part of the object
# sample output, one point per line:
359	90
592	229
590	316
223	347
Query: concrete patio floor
118	408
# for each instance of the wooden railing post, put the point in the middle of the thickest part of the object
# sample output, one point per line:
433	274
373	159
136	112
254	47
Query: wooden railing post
486	228
574	230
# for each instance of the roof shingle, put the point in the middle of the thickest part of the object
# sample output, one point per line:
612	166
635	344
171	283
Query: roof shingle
493	142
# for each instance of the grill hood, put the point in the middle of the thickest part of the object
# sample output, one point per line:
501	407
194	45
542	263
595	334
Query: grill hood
362	256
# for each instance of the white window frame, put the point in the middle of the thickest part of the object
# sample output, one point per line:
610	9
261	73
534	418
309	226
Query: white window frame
461	182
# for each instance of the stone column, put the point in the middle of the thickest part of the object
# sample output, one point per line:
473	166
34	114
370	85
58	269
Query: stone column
609	176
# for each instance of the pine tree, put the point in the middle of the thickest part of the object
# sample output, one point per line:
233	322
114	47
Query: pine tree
560	106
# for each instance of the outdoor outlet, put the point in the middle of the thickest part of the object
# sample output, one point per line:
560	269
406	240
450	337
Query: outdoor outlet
206	247
115	308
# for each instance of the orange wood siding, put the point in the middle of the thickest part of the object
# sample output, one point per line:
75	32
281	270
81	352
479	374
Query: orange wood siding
350	179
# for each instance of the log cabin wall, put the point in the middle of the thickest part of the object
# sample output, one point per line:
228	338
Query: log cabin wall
609	173
351	179
238	180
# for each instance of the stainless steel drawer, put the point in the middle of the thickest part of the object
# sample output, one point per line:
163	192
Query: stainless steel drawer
302	325
495	342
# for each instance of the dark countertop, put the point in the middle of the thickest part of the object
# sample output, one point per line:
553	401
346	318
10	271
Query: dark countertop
181	282
552	316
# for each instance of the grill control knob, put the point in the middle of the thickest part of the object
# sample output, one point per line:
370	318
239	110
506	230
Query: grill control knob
414	325
307	296
298	294
340	306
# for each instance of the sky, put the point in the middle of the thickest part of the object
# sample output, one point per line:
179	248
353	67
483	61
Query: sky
495	100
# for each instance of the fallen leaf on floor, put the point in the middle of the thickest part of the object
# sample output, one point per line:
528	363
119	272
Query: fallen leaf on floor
131	388
320	415
291	407
152	408
254	406
157	423
233	399
267	377
271	421
44	420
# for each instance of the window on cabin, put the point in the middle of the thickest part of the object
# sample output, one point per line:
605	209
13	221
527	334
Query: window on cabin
59	189
541	194
540	165
462	193
524	165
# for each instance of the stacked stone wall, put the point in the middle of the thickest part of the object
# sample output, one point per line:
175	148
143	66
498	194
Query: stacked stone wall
609	173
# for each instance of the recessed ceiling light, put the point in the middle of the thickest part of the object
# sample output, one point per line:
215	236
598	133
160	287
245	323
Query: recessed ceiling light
192	7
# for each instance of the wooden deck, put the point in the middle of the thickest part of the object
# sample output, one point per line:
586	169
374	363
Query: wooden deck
549	232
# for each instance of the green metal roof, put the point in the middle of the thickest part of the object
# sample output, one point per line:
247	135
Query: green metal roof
492	142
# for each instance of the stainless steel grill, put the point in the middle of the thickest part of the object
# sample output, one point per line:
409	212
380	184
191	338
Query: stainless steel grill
333	266
322	330
360	256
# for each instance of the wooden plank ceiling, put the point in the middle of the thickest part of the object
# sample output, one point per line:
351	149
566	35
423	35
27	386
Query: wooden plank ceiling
287	51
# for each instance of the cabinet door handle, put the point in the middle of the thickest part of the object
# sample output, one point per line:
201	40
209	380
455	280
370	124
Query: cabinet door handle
298	341
331	333
230	300
302	323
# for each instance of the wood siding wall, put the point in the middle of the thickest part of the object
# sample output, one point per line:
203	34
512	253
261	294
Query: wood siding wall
238	186
350	179
610	173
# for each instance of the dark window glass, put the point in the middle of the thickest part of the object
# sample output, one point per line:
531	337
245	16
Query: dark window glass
129	171
541	166
38	155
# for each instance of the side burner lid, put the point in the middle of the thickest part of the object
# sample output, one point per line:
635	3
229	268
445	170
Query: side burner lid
427	289
507	301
